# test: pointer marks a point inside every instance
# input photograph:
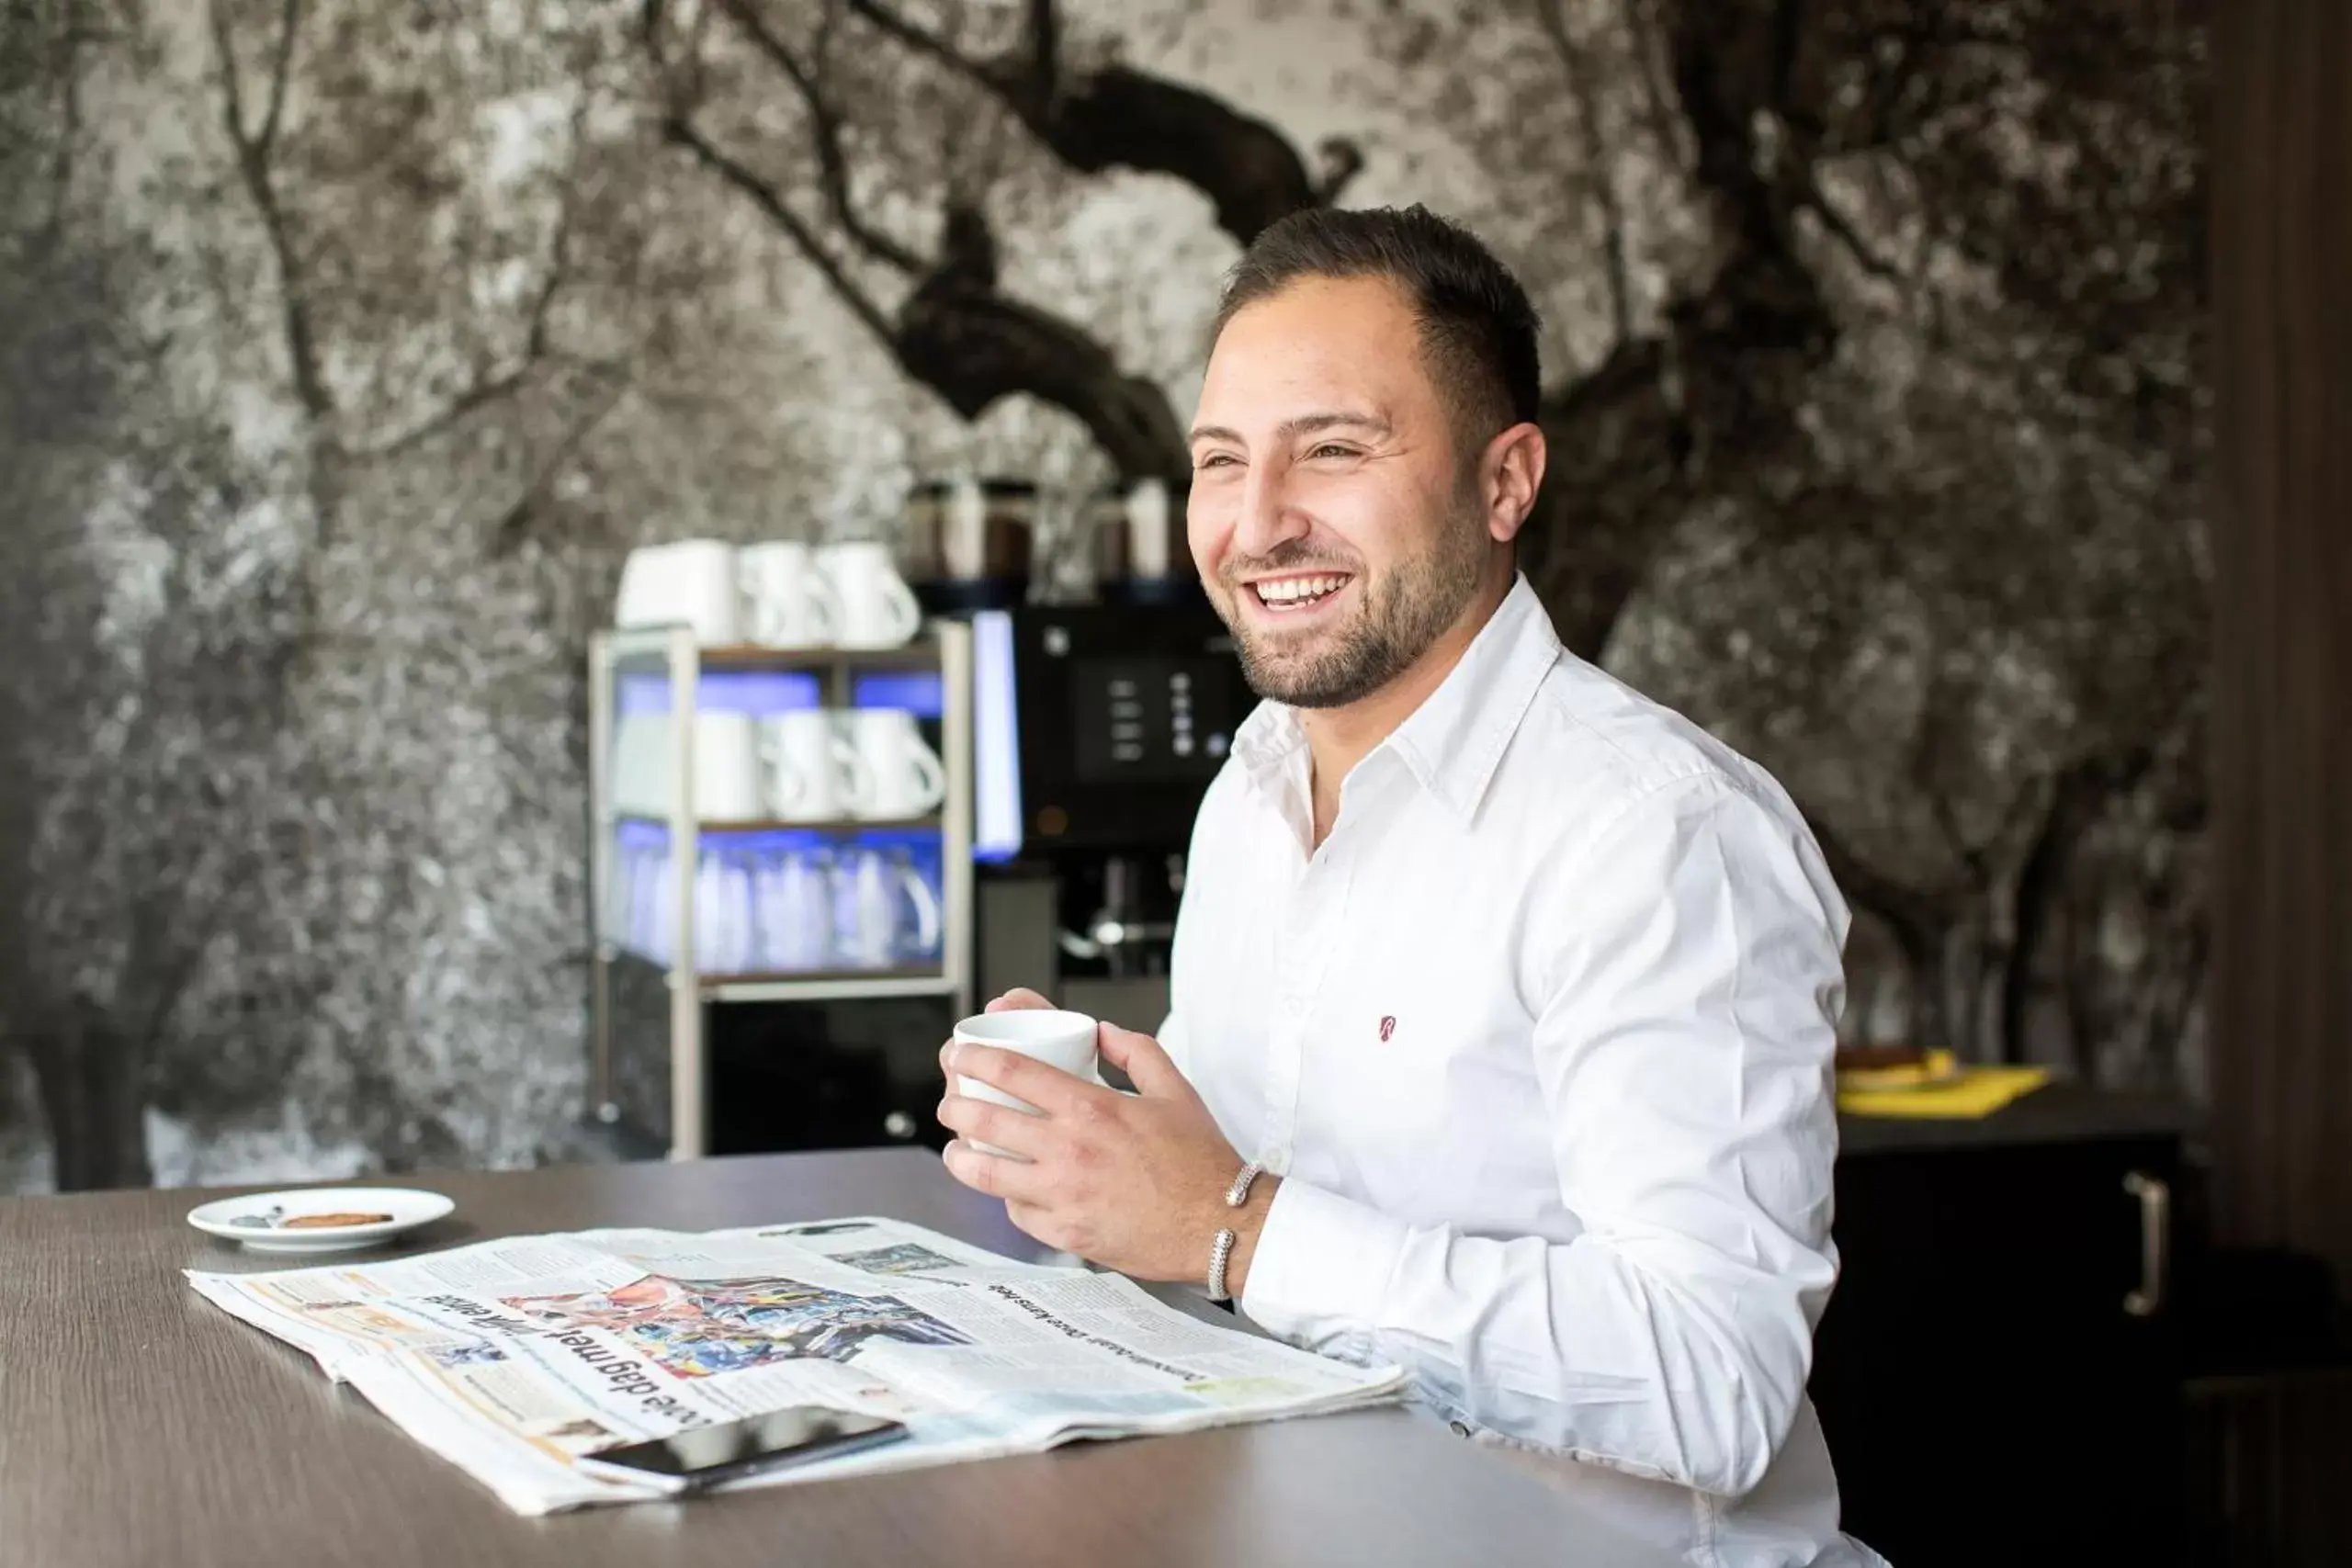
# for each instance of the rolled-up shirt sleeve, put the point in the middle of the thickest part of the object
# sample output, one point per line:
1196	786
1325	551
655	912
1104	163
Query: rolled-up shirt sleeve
1686	967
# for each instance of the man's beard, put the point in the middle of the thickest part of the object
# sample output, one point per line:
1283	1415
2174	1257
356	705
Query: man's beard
1397	620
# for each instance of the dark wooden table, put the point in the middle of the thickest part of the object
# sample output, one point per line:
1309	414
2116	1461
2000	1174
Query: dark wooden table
140	1425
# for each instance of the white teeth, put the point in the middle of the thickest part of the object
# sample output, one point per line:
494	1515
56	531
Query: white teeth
1291	590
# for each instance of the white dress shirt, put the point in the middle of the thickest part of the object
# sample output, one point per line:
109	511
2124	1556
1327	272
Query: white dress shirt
1539	1040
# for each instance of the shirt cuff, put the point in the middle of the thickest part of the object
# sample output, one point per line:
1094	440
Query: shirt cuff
1322	1266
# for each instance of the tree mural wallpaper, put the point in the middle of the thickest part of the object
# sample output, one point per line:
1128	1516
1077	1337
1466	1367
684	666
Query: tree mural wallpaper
346	346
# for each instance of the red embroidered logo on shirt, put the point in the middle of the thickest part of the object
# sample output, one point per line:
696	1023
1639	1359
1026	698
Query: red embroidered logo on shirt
1387	1027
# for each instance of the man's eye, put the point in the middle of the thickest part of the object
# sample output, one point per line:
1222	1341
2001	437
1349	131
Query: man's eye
1332	449
1215	460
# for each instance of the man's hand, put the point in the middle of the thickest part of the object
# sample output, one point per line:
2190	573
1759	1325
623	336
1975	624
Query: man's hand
1134	1182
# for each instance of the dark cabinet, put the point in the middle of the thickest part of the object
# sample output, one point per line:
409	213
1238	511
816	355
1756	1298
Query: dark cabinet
791	1076
1999	1373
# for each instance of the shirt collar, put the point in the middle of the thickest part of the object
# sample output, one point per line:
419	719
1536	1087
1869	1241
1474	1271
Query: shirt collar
1455	741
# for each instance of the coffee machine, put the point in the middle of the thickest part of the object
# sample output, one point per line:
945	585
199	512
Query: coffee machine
1096	730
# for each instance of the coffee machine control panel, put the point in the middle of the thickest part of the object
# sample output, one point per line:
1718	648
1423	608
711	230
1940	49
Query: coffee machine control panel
1161	720
1104	726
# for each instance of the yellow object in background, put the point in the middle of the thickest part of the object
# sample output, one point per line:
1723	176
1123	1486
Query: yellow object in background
1937	1086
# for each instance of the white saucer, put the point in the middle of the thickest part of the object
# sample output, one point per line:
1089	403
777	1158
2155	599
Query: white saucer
408	1207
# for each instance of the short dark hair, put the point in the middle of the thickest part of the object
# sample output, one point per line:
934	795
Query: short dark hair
1478	326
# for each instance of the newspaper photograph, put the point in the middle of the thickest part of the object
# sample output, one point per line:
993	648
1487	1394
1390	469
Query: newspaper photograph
512	1358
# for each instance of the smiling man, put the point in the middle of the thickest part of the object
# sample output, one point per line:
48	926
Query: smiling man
1518	986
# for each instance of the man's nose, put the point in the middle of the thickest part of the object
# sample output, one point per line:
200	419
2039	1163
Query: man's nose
1267	517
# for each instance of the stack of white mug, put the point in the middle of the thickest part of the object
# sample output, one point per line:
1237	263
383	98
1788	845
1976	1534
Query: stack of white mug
806	765
779	594
780	903
769	901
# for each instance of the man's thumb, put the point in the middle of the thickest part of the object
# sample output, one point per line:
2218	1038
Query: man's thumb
1139	1057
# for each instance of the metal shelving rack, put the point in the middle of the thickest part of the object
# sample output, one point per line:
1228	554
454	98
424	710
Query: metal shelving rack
945	647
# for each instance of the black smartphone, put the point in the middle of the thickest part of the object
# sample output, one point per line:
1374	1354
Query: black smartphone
706	1456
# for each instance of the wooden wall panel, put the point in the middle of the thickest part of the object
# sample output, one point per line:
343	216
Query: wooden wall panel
2281	1013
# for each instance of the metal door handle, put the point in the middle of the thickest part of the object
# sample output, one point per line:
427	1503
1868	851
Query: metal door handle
2155	1242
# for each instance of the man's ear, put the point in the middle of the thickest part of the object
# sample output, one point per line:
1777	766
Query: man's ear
1513	466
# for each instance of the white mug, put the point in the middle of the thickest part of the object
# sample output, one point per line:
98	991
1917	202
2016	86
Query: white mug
787	603
1064	1040
653	902
688	582
792	898
890	911
923	938
905	776
722	913
727	767
879	610
1147	519
640	761
648	886
810	770
645	588
964	530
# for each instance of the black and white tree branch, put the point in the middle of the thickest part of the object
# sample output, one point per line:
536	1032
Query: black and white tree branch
825	127
1552	18
255	151
681	129
1117	116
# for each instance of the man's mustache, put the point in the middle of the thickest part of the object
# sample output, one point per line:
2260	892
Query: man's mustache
1292	556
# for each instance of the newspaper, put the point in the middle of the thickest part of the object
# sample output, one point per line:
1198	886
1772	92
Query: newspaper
512	1358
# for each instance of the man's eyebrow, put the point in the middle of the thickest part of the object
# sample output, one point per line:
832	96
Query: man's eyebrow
1303	424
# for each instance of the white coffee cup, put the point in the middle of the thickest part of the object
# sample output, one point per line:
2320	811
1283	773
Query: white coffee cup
792	898
653	900
889	912
1146	518
811	771
727	767
688	582
645	588
879	610
722	912
1064	1040
964	530
905	776
640	761
653	904
787	603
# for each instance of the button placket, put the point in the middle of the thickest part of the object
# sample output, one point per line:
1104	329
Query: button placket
1318	908
1282	1037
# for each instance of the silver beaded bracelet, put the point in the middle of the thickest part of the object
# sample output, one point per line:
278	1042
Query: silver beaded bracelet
1221	1250
1219	1254
1238	1193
